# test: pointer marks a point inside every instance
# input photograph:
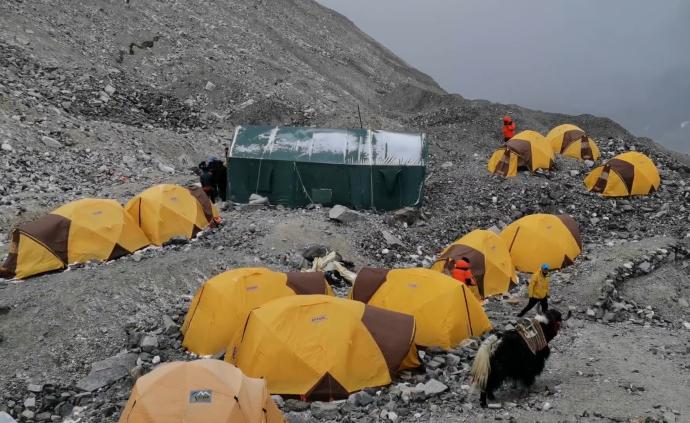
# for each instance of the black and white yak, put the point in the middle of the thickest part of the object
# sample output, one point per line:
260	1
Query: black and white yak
518	354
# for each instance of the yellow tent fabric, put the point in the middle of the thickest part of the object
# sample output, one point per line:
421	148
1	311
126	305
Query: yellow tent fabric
490	261
445	310
28	257
221	305
80	231
97	228
527	149
543	238
200	391
503	162
166	211
569	140
323	347
627	174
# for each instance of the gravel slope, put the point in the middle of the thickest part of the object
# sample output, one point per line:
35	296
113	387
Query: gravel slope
78	118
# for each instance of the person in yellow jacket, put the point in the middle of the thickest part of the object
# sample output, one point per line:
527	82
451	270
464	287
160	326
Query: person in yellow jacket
538	290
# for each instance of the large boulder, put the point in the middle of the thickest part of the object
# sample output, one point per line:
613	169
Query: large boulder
107	371
6	418
342	214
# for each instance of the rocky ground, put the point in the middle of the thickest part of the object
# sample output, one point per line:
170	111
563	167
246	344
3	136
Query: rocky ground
81	116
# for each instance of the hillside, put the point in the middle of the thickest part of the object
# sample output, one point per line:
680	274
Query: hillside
106	98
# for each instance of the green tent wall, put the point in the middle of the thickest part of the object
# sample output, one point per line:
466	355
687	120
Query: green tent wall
355	167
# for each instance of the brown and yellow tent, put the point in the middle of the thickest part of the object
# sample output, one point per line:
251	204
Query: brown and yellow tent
569	140
323	348
490	261
543	238
80	231
221	305
167	211
527	149
627	174
200	391
445	310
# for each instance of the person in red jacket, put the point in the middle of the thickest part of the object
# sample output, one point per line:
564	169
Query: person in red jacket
508	128
462	272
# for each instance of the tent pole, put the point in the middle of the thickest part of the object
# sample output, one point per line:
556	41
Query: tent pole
514	238
467	308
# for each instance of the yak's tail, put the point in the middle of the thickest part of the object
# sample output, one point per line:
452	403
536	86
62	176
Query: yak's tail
482	362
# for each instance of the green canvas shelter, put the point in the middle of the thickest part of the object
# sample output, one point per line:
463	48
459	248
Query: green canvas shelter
355	167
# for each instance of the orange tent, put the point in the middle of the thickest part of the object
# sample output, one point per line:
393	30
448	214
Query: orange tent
201	391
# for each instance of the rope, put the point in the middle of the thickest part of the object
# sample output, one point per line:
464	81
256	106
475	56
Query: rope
419	193
467	308
370	138
258	175
304	189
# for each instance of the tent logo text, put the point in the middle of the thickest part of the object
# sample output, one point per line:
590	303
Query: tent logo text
317	319
252	287
203	396
412	285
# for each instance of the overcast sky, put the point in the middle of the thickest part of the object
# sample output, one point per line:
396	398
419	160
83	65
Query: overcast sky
626	59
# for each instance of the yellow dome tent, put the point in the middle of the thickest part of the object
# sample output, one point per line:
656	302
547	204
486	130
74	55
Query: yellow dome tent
543	238
445	311
490	261
221	305
200	391
527	149
80	231
166	211
627	174
323	348
569	140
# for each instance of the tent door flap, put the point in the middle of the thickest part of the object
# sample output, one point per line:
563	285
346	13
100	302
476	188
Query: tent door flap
390	178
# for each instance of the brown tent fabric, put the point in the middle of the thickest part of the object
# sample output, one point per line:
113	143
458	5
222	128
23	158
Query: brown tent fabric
326	389
624	169
600	185
367	283
9	267
50	230
118	252
477	262
503	166
523	150
202	198
387	328
306	283
572	136
573	227
586	149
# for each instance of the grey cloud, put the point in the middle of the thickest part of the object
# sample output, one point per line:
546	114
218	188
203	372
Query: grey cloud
626	59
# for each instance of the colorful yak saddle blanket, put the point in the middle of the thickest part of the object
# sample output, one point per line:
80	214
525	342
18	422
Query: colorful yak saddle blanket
531	332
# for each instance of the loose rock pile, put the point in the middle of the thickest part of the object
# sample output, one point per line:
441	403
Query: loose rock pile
81	116
611	307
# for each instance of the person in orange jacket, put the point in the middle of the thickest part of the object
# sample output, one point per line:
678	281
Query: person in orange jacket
462	272
508	128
